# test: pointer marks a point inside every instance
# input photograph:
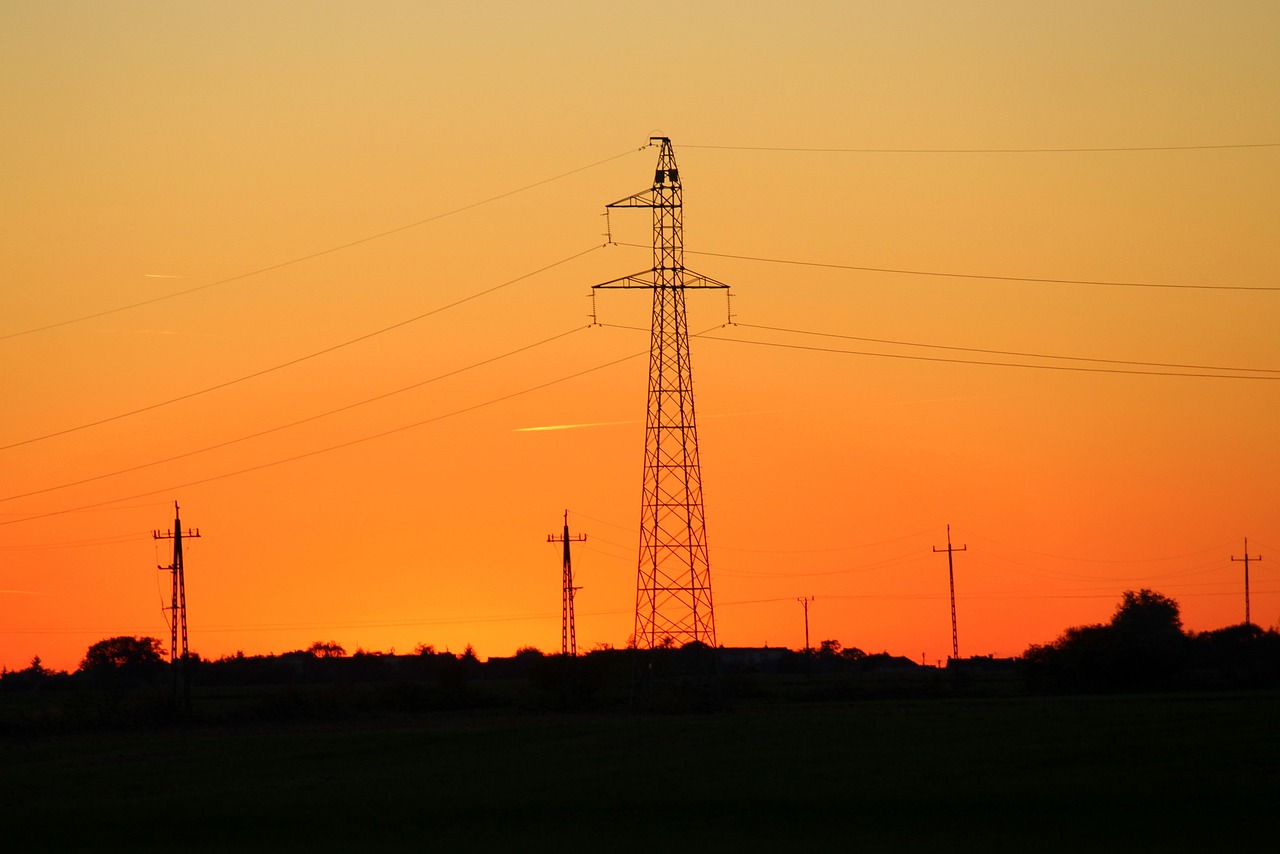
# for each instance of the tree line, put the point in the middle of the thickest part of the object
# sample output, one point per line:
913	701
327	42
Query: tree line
1143	647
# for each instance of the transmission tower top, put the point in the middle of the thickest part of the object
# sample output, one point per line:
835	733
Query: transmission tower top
665	197
665	192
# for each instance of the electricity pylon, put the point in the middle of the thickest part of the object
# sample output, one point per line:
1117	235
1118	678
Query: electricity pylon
178	656
674	605
568	632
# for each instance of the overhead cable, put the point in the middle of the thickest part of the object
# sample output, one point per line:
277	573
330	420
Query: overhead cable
985	276
1076	368
300	259
1223	147
300	421
1010	352
941	359
299	359
169	490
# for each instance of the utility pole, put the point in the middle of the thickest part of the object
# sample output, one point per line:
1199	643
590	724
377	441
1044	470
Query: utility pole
673	576
951	575
178	656
804	602
568	632
1246	560
808	651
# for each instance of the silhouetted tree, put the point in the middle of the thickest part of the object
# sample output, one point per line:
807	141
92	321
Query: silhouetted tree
833	656
124	660
1146	613
1239	656
828	655
1142	647
454	671
326	649
852	653
1149	645
32	678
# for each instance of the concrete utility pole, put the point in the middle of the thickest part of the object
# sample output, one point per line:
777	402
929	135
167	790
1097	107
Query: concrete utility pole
951	575
1246	560
568	632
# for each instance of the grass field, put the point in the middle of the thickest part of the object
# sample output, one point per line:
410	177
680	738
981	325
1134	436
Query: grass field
1135	773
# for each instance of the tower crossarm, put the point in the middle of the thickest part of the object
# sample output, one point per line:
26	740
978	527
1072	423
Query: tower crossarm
642	199
645	280
635	280
697	280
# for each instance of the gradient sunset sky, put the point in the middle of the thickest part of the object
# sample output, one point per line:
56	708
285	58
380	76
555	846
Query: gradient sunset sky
314	270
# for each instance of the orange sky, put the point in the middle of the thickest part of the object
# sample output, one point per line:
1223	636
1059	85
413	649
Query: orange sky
152	149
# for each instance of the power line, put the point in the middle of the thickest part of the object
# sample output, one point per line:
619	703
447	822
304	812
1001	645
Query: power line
1125	560
286	627
113	540
1228	146
1009	352
300	421
966	361
532	617
949	275
723	548
298	360
314	255
939	359
327	449
917	597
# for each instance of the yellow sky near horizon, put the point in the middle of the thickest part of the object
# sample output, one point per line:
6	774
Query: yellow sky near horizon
152	149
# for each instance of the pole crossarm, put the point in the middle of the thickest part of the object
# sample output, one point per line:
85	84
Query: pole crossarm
643	199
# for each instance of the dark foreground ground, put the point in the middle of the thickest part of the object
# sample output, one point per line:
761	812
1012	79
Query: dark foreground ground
1145	773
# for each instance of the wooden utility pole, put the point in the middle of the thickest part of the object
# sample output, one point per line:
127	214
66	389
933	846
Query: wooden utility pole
808	652
1246	560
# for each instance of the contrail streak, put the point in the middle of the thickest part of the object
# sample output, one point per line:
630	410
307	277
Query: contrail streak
550	427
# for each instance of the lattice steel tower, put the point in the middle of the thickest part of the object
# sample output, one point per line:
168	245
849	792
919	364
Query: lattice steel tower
178	654
673	578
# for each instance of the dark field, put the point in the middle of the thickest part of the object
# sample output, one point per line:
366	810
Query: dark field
1135	773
